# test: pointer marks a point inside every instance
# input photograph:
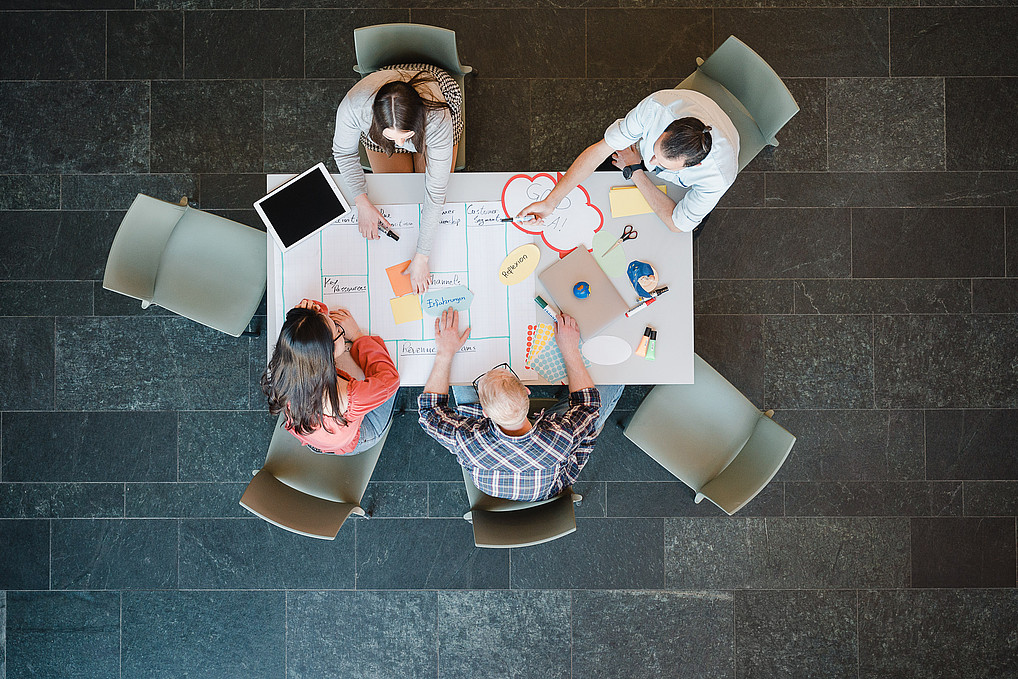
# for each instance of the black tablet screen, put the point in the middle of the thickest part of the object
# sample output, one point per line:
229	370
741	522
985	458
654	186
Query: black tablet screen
302	207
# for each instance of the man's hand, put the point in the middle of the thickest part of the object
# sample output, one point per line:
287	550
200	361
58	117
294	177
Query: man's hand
567	335
540	210
627	156
368	217
448	339
420	273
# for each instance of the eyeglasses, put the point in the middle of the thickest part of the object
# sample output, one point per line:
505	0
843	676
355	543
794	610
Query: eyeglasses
497	367
342	334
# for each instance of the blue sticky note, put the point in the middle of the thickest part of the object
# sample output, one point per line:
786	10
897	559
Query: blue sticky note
458	297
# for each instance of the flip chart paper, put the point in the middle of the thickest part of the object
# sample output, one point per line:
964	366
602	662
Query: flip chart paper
399	281
626	201
406	309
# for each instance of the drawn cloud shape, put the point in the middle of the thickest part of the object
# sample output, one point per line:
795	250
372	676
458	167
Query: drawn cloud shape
574	222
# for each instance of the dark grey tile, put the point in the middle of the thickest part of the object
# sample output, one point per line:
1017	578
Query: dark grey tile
245	217
995	295
742	297
168	363
553	48
679	36
595	499
963	552
500	634
184	500
803	140
45	298
796	634
447	500
29	192
90	447
244	44
197	4
26	562
399	500
977	139
806	48
61	500
396	634
224	447
63	634
300	117
747	191
883	296
991	498
890	189
904	634
52	45
658	634
616	458
601	554
145	45
777	243
207	126
118	191
412	455
114	554
786	553
3	634
44	123
426	554
258	360
26	366
818	361
674	498
207	634
956	41
880	124
972	444
109	303
254	554
854	445
1011	241
873	498
558	134
230	190
57	245
66	4
499	133
734	346
927	242
945	361
328	48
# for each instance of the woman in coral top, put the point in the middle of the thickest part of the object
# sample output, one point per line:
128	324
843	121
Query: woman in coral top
326	409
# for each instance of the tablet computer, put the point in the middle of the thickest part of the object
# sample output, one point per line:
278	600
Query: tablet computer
296	210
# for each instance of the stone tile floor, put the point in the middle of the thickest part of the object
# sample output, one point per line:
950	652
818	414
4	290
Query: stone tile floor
861	278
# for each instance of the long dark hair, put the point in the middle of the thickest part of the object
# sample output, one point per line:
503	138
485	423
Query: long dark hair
302	371
687	137
399	105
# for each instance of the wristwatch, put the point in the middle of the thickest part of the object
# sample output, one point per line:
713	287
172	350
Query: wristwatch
628	170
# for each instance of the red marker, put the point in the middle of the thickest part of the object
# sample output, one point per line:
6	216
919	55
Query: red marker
640	307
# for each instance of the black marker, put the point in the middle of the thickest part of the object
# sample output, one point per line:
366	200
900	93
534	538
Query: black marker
388	232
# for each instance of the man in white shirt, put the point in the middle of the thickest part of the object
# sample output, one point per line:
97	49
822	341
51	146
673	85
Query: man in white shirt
681	136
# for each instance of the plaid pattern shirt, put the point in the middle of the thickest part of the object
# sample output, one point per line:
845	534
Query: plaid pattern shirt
534	466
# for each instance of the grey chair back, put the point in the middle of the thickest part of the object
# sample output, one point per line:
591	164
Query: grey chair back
749	91
199	265
306	492
710	437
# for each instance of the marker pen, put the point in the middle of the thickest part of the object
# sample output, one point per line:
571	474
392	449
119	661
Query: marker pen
660	291
528	218
640	307
651	345
642	349
547	309
388	232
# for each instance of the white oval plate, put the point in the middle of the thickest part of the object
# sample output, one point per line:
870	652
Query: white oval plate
606	350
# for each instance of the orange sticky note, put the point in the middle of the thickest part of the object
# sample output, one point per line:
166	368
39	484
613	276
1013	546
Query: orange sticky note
406	308
399	281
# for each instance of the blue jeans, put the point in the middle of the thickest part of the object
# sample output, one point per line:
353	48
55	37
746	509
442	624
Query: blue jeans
374	425
610	394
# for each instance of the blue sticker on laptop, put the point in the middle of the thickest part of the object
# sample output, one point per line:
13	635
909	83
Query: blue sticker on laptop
458	297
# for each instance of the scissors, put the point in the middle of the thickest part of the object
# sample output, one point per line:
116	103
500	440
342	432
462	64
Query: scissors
628	233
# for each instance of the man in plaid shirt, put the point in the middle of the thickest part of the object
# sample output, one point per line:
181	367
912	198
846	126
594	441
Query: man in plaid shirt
507	455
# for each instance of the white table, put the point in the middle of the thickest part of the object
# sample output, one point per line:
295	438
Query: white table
670	253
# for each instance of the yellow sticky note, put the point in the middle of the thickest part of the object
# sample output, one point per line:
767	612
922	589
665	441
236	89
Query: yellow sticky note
406	308
627	200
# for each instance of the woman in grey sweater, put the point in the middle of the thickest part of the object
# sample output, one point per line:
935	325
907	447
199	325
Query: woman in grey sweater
409	118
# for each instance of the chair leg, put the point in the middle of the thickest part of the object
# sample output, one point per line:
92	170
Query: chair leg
359	511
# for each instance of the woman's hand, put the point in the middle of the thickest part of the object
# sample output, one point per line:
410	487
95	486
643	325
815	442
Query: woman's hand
346	322
368	217
420	273
627	156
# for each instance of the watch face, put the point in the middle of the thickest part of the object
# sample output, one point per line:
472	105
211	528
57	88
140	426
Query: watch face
627	171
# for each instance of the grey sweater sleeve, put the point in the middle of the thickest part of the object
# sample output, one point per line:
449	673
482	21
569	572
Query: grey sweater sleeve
350	122
437	168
